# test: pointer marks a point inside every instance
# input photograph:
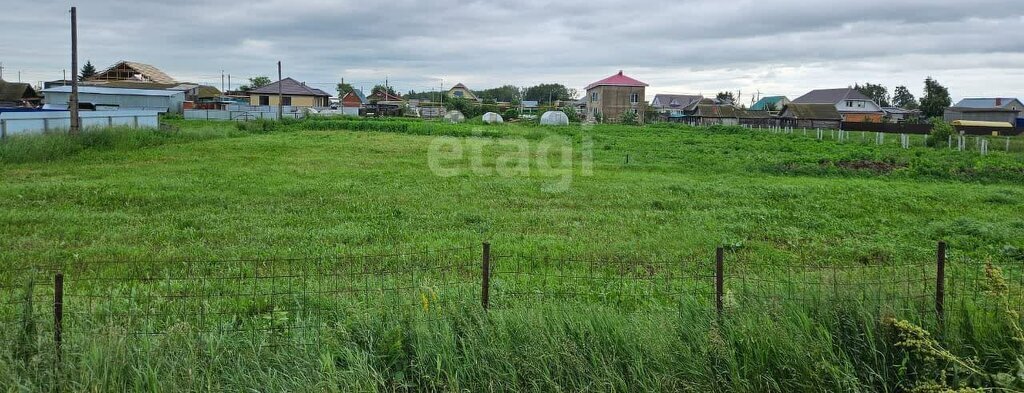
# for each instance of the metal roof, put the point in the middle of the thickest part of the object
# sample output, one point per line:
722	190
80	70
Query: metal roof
899	111
763	103
811	112
617	80
831	96
114	91
674	100
985	102
290	87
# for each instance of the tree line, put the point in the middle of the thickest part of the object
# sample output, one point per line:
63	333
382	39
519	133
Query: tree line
933	102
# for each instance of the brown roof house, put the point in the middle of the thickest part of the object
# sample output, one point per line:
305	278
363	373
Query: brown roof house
293	93
853	105
133	71
461	91
811	116
608	98
14	94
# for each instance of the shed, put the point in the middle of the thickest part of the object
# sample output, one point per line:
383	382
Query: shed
165	101
811	116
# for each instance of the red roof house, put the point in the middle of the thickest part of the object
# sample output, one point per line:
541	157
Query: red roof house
608	98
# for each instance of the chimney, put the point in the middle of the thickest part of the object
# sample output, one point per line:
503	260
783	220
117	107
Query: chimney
999	102
620	72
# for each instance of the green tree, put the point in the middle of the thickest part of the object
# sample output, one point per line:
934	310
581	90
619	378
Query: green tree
423	95
255	83
902	98
469	109
877	93
935	99
506	93
88	71
941	131
546	93
380	88
344	88
725	96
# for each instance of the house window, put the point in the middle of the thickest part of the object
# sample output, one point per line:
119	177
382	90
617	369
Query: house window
634	98
849	104
458	94
286	101
264	100
593	97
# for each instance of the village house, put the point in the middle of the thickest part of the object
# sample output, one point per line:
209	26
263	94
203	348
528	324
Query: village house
461	91
900	115
811	116
773	105
1002	110
293	93
352	101
13	94
133	72
528	108
609	98
135	75
851	104
674	106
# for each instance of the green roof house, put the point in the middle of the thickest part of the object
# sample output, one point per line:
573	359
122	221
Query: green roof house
771	105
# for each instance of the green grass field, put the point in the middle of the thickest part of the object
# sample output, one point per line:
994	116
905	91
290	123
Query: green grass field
316	189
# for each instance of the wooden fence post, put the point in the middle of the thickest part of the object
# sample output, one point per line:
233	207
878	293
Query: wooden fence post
940	283
719	279
485	277
58	314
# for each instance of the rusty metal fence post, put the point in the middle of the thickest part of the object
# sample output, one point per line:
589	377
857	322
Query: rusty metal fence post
940	283
485	277
719	279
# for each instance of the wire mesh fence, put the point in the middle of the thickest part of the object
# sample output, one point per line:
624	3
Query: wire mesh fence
274	301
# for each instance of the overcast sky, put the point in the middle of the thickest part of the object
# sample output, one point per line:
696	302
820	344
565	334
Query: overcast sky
783	47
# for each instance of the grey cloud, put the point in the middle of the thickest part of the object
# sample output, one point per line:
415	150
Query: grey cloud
680	44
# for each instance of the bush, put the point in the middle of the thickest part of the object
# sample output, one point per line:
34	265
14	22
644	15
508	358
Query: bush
511	113
628	117
941	131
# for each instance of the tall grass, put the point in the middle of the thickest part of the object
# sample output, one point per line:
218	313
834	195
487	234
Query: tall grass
533	349
55	146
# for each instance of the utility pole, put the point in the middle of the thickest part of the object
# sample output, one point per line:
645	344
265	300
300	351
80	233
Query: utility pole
1	70
229	83
280	94
221	80
73	102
